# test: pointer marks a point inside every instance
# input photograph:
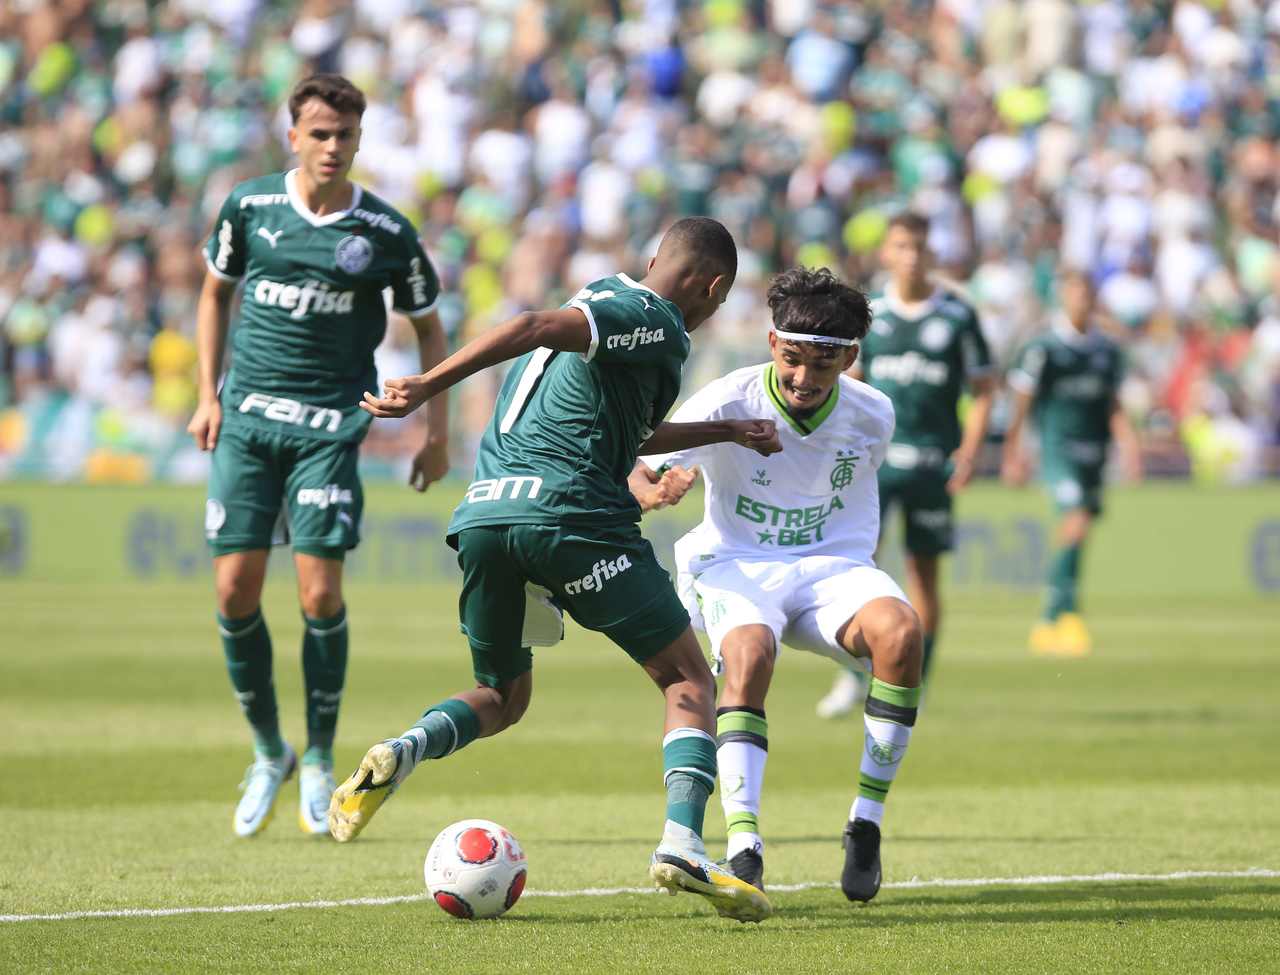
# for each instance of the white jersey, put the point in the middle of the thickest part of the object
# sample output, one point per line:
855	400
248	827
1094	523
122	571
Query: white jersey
817	497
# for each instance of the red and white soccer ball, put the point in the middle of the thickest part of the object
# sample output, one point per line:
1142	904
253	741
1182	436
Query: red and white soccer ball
475	869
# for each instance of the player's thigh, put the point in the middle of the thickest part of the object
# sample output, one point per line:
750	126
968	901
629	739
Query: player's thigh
237	581
833	600
1073	486
929	511
324	497
246	486
735	595
609	580
491	606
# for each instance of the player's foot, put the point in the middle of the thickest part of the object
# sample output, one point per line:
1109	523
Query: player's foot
748	865
315	789
860	879
261	787
1044	638
846	695
360	796
1073	636
675	870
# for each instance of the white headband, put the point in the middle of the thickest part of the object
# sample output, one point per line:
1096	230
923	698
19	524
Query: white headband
816	339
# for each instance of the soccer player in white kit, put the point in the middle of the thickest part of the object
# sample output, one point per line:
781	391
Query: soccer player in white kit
783	555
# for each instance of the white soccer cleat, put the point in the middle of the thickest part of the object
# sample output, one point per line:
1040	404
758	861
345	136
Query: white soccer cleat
846	695
674	870
315	788
261	788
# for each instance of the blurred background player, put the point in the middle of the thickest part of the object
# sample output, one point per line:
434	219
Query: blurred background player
784	554
549	522
925	349
1068	379
315	253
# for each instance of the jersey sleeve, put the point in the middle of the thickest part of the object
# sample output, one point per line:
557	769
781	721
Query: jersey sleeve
975	355
414	283
704	405
626	329
1028	369
227	249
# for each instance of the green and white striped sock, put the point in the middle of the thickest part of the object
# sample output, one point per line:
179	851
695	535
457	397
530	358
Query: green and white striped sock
889	716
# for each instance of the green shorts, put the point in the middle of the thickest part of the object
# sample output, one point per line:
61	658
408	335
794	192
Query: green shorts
607	578
926	506
1073	486
271	489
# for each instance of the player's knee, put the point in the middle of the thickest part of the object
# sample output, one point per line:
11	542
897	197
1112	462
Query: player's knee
238	594
748	665
893	634
513	701
320	598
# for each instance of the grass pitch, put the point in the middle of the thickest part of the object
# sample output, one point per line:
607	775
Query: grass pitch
122	748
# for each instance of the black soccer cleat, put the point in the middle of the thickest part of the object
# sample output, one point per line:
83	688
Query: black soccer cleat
860	879
748	865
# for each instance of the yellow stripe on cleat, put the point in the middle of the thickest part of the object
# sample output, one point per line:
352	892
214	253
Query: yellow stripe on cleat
731	897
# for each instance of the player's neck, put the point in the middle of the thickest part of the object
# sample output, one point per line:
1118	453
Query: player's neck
912	292
323	200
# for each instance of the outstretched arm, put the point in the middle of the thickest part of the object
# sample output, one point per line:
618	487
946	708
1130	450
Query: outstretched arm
564	330
653	490
760	435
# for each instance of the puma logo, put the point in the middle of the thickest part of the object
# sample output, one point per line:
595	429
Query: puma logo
270	237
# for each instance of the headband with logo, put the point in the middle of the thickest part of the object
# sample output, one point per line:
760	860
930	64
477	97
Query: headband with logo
816	339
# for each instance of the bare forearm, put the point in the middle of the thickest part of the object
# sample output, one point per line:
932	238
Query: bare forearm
1013	435
975	425
510	340
432	349
212	313
670	437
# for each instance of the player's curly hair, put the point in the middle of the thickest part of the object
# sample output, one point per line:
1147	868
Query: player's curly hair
816	302
332	89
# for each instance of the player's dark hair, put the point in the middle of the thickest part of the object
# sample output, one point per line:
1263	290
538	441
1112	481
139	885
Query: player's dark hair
332	89
910	221
813	301
706	241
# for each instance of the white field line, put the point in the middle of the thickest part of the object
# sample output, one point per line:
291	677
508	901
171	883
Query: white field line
913	884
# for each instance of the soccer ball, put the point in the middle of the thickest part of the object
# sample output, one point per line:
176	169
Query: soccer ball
475	869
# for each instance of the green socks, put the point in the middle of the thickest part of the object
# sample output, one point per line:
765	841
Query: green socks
246	643
689	772
442	730
1064	571
324	670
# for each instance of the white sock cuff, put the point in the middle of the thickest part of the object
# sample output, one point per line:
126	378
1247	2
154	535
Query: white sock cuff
675	734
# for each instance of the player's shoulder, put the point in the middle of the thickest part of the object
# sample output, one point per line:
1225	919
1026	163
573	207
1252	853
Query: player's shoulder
382	217
953	298
260	191
862	402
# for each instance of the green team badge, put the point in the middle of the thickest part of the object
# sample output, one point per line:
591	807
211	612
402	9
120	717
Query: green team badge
842	473
884	752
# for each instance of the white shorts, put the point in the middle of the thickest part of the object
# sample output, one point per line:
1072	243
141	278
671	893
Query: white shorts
804	601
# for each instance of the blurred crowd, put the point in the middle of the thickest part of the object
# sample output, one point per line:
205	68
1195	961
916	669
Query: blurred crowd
538	145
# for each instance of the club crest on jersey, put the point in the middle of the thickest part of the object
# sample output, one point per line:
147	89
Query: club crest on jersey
935	334
842	472
353	254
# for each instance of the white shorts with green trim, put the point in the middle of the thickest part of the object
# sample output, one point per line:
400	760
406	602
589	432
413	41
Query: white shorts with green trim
804	601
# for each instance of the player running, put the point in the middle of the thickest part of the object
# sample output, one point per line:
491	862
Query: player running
784	555
315	253
924	348
1068	378
549	522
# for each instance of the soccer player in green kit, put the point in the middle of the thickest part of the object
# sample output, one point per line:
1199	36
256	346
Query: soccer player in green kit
925	348
549	522
315	254
1068	379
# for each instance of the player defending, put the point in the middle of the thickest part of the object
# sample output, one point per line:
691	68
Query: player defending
784	555
315	253
1069	377
924	347
549	522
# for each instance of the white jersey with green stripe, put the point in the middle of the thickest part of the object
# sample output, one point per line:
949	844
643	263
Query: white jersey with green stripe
313	308
817	497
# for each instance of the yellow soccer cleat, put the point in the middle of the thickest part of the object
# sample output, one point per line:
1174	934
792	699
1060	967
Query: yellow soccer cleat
1044	638
1073	636
676	870
360	796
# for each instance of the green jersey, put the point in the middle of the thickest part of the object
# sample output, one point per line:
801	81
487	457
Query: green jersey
567	427
1073	380
921	362
312	309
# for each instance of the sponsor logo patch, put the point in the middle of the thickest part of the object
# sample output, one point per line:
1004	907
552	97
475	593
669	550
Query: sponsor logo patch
496	489
284	410
215	516
324	497
301	300
600	573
